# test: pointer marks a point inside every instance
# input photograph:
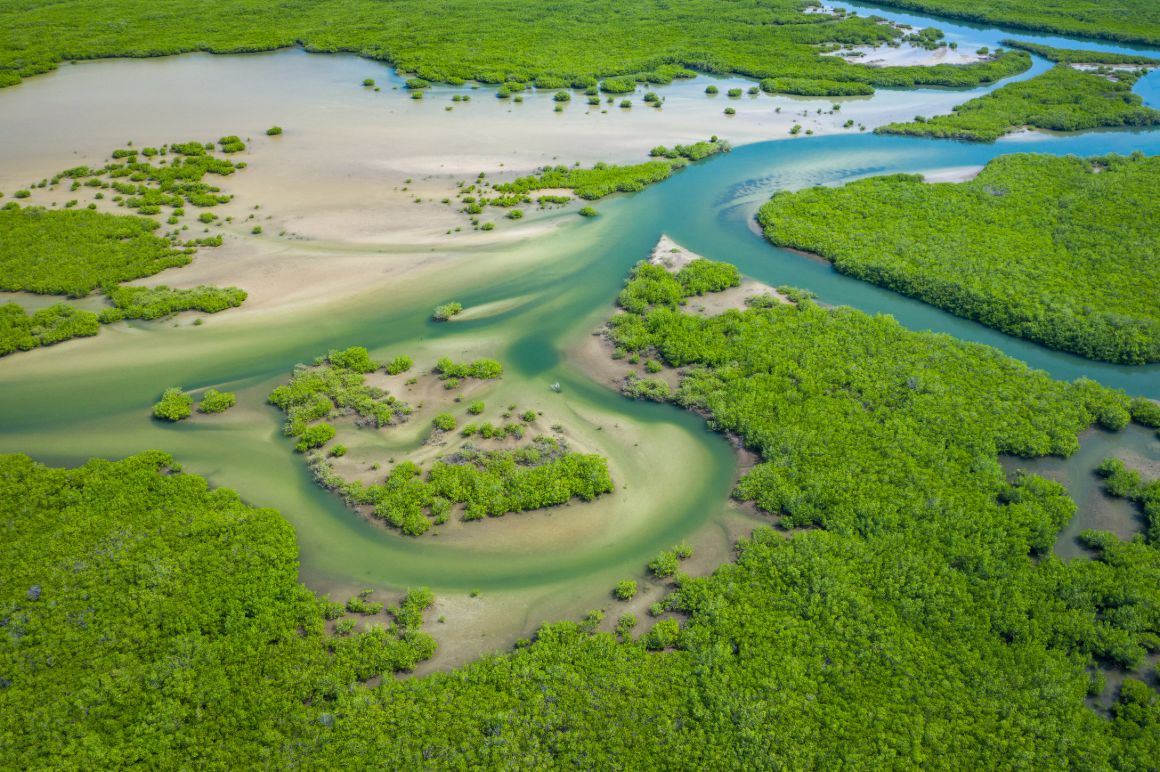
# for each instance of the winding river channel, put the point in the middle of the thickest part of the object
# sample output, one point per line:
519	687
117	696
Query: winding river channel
551	290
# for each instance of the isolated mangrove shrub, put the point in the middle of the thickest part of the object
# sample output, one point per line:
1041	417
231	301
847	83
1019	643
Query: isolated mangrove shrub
273	131
625	589
587	211
399	364
444	422
356	359
214	401
174	405
444	312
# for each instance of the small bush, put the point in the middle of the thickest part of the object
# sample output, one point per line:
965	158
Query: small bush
444	422
214	401
446	311
175	405
273	131
625	589
399	364
588	211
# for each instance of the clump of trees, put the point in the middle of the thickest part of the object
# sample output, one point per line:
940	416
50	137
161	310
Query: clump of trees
214	401
444	312
22	331
174	405
488	483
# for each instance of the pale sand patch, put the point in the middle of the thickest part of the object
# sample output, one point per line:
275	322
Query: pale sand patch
491	309
909	56
952	174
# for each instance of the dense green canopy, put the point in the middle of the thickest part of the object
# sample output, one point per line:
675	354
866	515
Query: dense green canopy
922	621
550	45
1062	251
1132	21
1061	99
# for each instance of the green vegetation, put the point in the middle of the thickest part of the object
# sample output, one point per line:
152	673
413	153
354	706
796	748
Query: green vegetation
490	483
399	364
273	131
1061	99
446	311
1129	21
1057	250
175	405
1126	483
1069	56
162	301
214	401
490	42
319	391
74	251
149	620
625	589
604	179
444	422
476	407
21	331
482	368
926	593
588	211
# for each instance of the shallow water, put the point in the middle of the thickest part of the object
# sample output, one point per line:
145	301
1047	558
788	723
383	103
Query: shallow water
331	175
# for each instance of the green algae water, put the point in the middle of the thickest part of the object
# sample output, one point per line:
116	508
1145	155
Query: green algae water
92	397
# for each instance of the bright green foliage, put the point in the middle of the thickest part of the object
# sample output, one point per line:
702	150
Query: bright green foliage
588	211
315	393
475	408
214	401
482	368
490	41
151	621
604	179
175	405
490	484
694	152
625	589
653	285
1132	21
162	301
1061	251
177	177
664	565
356	359
314	436
273	131
444	422
1068	56
399	364
1146	412
232	144
361	604
1126	483
446	311
1061	99
74	251
814	87
21	331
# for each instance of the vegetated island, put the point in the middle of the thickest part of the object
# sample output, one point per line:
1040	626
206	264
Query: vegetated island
1061	251
556	183
916	585
494	42
1084	90
491	479
1128	21
76	251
